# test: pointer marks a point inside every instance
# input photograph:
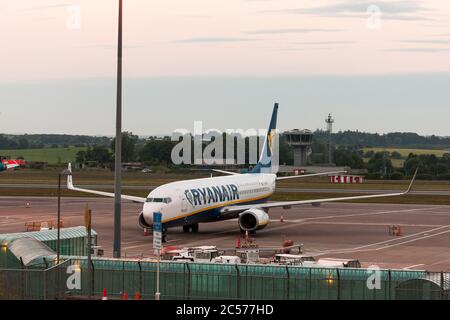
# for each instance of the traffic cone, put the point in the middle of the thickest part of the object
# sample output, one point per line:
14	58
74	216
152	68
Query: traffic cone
138	296
146	233
125	296
105	294
238	242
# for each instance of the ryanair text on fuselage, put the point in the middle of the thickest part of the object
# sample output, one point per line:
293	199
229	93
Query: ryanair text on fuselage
211	195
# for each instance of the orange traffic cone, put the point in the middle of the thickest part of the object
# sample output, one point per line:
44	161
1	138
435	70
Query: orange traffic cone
125	296
138	296
238	243
105	294
146	233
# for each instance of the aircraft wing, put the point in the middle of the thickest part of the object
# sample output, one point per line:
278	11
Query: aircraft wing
226	172
310	175
70	186
288	204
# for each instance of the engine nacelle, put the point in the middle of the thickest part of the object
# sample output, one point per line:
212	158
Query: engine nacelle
253	219
142	222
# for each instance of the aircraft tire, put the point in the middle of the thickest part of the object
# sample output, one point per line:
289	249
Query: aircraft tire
195	228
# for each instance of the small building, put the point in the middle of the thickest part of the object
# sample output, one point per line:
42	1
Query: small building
73	243
25	252
132	166
301	142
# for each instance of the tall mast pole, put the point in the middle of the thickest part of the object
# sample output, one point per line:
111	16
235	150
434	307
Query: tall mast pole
118	148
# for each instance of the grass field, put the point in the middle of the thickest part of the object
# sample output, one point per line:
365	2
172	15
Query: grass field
106	177
104	180
50	155
405	151
398	163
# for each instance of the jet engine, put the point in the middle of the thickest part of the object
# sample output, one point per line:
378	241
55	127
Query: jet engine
253	219
142	221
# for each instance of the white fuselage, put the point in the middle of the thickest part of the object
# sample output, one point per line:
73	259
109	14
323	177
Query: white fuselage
200	200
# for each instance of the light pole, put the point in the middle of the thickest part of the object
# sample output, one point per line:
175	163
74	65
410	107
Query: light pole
118	148
63	173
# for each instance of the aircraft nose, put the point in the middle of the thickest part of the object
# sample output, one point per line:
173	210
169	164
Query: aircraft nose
149	209
148	217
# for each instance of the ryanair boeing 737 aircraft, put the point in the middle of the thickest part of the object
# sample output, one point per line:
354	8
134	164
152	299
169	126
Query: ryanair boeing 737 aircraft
235	196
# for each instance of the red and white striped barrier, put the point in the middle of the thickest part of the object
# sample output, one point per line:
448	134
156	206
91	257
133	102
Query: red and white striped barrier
347	179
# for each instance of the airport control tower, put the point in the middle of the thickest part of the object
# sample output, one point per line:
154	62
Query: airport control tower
300	141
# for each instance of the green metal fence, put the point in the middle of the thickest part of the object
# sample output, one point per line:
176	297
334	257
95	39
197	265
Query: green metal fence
218	281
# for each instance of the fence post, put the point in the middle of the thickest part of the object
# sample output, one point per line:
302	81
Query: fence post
92	277
140	277
238	282
123	277
390	284
310	283
188	287
288	283
22	278
338	284
45	283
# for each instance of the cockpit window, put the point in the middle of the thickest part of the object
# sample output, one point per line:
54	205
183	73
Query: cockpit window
160	200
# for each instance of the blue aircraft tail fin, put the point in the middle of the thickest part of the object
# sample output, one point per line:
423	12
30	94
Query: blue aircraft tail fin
265	160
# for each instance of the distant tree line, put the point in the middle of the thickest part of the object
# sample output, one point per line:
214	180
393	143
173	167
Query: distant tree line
396	139
39	141
348	151
345	138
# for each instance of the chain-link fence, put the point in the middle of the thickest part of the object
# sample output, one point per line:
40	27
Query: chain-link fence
178	280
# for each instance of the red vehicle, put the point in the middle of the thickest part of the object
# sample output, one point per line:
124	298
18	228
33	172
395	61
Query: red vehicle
10	164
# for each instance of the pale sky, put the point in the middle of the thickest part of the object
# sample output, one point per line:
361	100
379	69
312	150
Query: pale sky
378	66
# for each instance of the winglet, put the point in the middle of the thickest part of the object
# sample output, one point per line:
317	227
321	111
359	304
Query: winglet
69	178
412	181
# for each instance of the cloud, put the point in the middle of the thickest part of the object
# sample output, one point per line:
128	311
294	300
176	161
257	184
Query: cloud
326	42
214	40
291	30
314	48
390	10
352	6
426	41
53	6
423	50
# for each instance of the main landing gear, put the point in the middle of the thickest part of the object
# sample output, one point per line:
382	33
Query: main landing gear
250	232
164	235
191	228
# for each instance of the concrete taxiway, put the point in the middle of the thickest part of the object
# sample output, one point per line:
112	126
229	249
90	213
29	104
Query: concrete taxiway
341	230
